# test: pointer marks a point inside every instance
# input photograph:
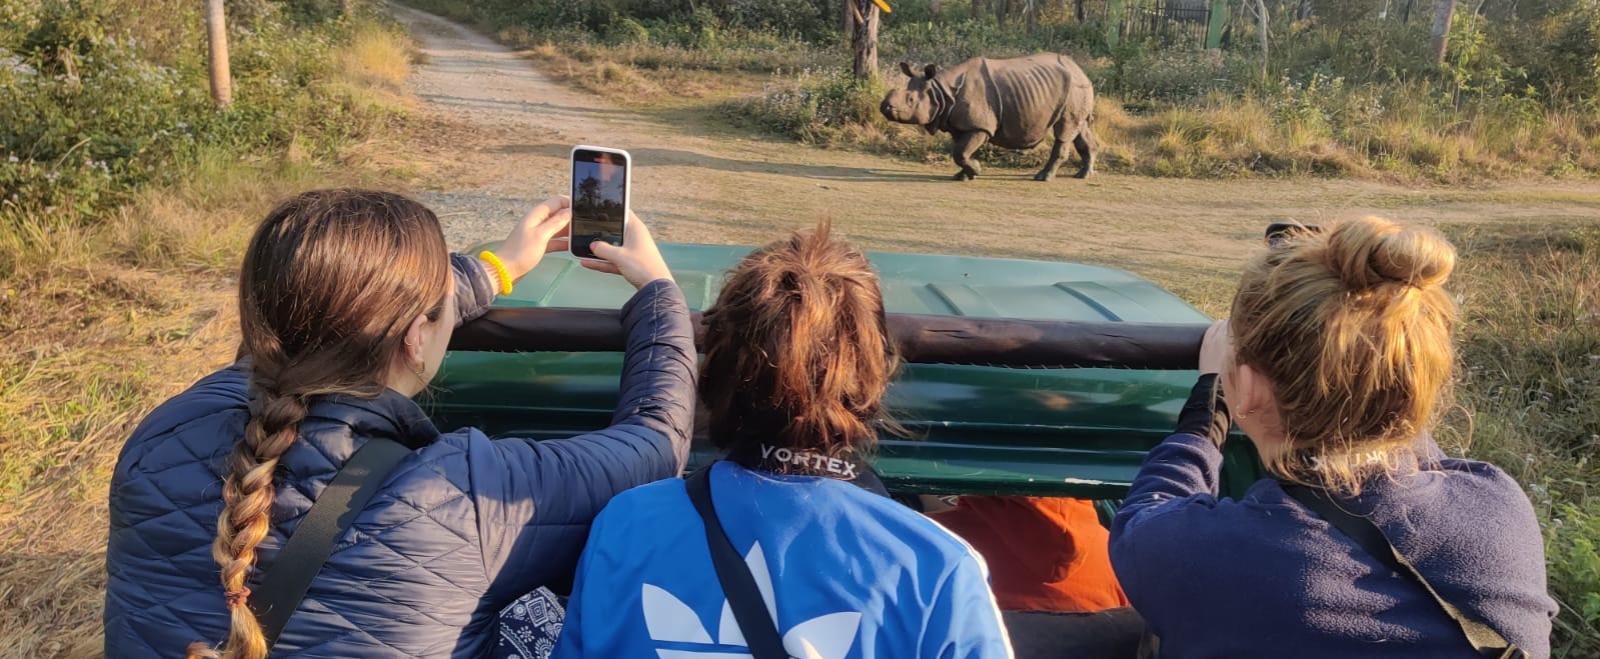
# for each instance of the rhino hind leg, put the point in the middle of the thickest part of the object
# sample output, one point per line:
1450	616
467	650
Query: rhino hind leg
1066	131
1054	163
1086	145
962	148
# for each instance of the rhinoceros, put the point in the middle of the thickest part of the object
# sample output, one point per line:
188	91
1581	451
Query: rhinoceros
1012	103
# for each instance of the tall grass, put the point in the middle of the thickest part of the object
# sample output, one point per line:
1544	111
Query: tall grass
1530	365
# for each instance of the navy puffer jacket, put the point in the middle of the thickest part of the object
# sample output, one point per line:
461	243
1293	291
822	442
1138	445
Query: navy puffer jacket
459	529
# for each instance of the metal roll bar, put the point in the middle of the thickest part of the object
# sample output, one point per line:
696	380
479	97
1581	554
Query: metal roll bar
922	339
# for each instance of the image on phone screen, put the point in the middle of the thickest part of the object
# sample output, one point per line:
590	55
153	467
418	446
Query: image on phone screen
599	199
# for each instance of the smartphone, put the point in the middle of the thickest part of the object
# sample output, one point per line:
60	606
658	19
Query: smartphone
600	194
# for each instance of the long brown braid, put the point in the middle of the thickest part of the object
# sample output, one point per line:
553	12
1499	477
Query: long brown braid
330	284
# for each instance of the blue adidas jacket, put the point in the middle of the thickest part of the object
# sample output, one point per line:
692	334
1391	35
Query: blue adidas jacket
461	527
845	573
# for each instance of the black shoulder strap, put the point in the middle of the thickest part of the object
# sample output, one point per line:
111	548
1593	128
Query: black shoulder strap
744	597
1483	638
286	581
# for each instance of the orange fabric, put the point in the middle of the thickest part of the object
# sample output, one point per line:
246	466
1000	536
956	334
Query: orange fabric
1044	554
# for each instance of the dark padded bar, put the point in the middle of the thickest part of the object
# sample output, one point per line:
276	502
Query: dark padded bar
923	339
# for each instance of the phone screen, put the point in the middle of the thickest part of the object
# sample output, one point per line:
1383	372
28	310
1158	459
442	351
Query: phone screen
599	199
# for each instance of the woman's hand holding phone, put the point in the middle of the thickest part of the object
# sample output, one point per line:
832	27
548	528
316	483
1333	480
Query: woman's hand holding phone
1216	349
638	260
542	231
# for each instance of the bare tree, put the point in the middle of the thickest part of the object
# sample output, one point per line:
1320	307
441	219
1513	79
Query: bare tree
1441	29
864	38
1261	30
217	42
1030	9
1078	11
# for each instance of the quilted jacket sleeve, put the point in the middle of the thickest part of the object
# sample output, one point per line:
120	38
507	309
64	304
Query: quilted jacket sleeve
536	499
474	291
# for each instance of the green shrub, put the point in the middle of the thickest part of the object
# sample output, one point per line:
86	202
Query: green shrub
813	106
102	101
1572	550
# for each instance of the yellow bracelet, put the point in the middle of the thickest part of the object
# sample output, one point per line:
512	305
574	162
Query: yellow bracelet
499	269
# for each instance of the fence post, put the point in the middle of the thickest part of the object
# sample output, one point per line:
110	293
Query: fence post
217	41
1115	10
1219	22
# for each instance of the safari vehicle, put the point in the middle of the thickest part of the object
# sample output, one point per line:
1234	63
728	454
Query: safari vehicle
1022	377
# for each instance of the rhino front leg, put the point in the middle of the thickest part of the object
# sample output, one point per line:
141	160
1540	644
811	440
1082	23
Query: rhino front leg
964	145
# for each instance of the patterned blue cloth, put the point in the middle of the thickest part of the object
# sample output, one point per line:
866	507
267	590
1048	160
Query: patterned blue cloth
530	626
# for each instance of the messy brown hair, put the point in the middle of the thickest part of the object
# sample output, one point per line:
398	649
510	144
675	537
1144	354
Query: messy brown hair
797	350
330	283
1353	327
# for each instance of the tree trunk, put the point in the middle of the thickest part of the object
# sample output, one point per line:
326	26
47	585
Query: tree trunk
1261	29
935	7
1079	12
217	41
1441	29
850	19
1405	14
1001	8
976	7
864	39
1031	9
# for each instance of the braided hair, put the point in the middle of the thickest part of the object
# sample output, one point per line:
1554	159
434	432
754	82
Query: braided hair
330	284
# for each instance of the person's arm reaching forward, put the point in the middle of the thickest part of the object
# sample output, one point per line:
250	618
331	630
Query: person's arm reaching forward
536	499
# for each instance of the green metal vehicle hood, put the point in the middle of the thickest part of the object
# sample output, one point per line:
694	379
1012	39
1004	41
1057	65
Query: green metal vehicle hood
973	429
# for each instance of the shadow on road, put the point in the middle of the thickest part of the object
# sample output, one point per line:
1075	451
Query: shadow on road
657	156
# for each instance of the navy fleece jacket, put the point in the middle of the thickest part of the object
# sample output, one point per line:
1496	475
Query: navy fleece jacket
1262	576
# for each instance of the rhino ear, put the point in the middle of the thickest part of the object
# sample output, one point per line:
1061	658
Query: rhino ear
930	70
906	69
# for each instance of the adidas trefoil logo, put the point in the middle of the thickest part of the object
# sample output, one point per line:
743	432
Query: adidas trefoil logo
671	621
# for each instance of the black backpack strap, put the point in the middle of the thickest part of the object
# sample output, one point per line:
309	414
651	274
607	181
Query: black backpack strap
1483	638
744	597
285	582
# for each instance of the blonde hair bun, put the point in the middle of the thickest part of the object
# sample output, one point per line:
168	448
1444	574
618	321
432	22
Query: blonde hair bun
1373	251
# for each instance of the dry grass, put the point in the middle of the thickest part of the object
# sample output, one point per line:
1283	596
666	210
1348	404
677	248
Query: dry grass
377	57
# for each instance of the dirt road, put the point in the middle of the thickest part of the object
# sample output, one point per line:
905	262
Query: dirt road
509	129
